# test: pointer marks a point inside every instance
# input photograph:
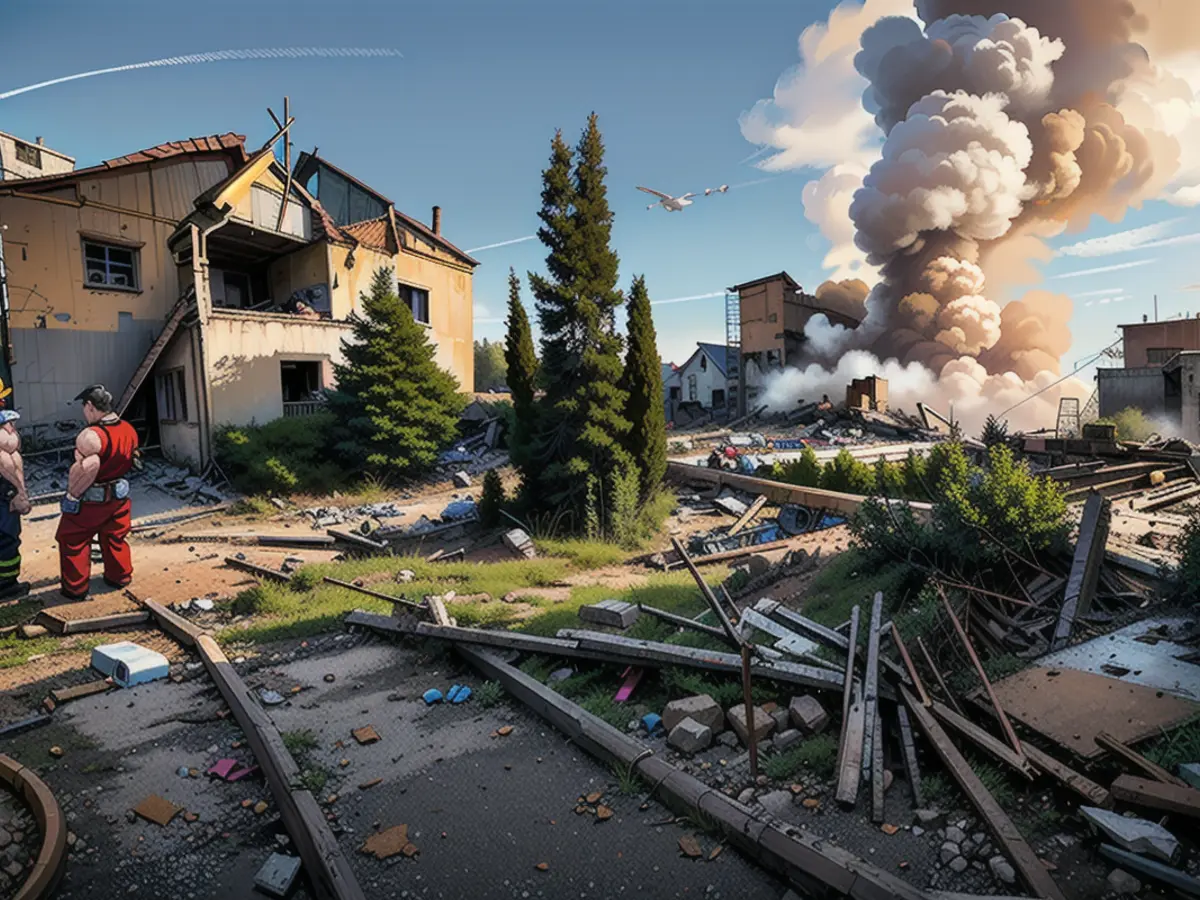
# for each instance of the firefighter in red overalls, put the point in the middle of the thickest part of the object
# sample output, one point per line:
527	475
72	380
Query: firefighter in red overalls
97	501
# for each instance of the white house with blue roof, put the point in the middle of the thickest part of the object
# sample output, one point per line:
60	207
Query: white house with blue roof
700	383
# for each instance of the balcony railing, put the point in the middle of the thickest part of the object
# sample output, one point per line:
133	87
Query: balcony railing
302	408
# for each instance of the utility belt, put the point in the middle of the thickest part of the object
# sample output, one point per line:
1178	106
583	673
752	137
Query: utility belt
106	492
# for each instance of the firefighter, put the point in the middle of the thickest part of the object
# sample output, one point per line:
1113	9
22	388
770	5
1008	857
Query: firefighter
97	501
14	503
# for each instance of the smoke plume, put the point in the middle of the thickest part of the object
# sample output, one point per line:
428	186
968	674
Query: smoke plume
1004	122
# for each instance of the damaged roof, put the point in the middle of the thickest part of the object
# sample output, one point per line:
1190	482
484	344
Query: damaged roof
374	233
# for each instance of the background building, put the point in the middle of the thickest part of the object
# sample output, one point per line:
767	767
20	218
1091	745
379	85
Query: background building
22	159
1161	360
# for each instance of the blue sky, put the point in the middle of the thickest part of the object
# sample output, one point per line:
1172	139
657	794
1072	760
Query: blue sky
464	121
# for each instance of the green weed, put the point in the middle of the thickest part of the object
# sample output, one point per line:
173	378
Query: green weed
490	694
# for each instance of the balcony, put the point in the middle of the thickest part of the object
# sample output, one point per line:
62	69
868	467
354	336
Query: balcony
302	408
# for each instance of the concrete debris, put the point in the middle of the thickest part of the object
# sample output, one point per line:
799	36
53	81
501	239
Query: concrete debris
1002	871
610	614
807	714
457	510
700	708
461	480
1190	772
277	875
689	736
1137	835
520	543
1122	883
157	810
763	723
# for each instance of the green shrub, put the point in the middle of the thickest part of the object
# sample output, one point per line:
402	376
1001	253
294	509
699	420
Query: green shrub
625	506
281	457
491	502
848	475
1132	424
805	471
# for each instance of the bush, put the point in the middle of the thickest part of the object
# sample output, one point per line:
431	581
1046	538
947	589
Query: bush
1132	424
286	456
805	471
848	475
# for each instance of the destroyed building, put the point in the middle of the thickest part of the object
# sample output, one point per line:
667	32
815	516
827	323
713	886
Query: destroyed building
765	321
699	385
1161	360
25	159
206	285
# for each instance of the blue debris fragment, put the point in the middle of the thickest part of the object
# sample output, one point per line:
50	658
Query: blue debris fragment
432	696
651	722
458	693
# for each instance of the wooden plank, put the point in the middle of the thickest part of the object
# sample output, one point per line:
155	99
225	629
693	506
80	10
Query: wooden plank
326	866
911	765
684	622
402	601
99	623
1135	759
806	627
877	805
62	695
850	743
754	509
179	628
708	595
871	680
908	665
982	739
1024	860
356	540
437	610
1085	568
726	555
182	306
1184	801
259	571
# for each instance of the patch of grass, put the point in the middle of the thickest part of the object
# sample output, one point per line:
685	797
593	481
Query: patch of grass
585	683
257	507
726	692
997	780
539	667
599	702
299	743
996	667
851	579
817	754
939	791
313	779
15	651
490	694
1181	745
628	781
583	554
20	612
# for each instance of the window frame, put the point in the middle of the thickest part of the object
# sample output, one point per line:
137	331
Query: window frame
171	385
1167	354
405	290
32	150
135	265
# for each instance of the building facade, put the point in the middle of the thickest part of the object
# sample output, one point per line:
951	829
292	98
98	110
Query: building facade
206	286
699	385
25	159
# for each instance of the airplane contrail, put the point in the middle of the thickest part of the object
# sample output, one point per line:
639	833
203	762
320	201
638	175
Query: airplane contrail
687	299
520	240
217	56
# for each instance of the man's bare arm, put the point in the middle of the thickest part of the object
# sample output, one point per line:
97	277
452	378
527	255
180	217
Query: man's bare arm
87	463
12	467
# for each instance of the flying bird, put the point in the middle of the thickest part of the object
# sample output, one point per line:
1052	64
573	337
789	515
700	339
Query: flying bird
667	202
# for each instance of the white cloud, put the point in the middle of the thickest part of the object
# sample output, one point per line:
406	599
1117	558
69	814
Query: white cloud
1121	242
1165	100
1102	269
827	205
482	312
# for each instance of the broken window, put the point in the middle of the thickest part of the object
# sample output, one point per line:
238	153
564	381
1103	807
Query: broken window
237	290
417	300
29	154
1157	356
718	399
691	387
774	359
106	265
703	363
301	380
171	394
674	393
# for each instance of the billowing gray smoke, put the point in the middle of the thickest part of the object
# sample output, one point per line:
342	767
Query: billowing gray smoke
1001	127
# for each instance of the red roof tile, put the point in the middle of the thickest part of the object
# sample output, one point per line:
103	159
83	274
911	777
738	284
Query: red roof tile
213	143
371	233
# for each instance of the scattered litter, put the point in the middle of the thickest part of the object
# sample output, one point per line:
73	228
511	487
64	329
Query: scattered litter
560	675
56	751
366	785
690	847
458	693
271	698
157	810
504	730
432	696
542	867
183	772
330	678
385	844
366	735
128	664
260	807
604	812
652	722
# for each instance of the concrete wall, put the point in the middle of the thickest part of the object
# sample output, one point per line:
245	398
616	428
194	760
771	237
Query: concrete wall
52	162
1142	387
1182	334
244	354
181	440
763	316
353	282
302	268
1189	383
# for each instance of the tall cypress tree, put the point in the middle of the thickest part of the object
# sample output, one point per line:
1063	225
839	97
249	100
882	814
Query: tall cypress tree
395	408
642	381
582	423
522	365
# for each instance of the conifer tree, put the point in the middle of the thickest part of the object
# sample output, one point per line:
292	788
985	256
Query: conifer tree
642	382
395	408
492	500
522	364
581	421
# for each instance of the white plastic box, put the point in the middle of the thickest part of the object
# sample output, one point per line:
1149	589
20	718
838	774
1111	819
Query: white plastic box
128	664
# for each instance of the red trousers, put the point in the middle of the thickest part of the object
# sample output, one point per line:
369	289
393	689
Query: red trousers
110	522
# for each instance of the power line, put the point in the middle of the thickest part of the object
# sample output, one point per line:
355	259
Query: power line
1083	365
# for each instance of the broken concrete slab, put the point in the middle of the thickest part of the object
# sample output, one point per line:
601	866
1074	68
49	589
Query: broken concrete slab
277	875
807	714
462	480
610	613
701	708
520	543
1137	835
1122	883
689	736
763	723
786	740
157	810
1190	772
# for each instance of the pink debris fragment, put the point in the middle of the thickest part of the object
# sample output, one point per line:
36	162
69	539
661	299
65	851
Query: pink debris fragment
222	767
241	773
632	677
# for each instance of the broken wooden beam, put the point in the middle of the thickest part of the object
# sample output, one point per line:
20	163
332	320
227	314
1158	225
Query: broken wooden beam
367	592
982	739
684	622
726	555
357	541
806	627
304	541
708	595
261	571
79	691
1005	725
437	610
850	745
871	682
937	674
1024	860
1135	759
908	747
1156	795
877	776
52	622
1085	567
908	665
753	510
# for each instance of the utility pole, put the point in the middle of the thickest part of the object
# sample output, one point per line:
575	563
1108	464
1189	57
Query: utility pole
1156	307
6	360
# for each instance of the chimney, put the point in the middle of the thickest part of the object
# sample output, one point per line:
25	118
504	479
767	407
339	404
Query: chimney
41	141
437	220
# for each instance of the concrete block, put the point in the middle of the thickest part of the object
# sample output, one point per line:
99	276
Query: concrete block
763	723
702	708
520	543
610	613
277	875
462	480
781	719
788	739
1137	835
807	714
689	736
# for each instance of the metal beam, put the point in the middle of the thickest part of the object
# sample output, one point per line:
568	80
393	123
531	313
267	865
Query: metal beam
1085	567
